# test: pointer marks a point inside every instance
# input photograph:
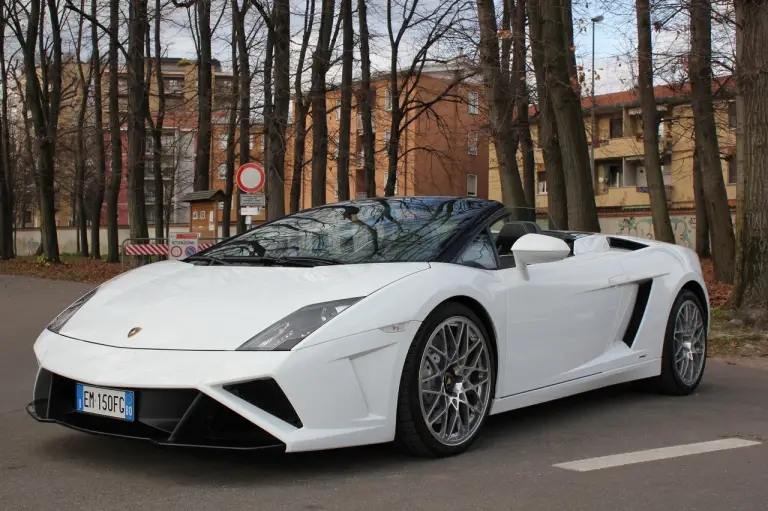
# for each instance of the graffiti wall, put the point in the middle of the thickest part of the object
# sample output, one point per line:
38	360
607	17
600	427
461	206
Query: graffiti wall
683	226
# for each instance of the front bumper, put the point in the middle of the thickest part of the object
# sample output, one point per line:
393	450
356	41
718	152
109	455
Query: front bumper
336	394
181	417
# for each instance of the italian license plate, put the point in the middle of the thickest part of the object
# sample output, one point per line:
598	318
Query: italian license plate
106	402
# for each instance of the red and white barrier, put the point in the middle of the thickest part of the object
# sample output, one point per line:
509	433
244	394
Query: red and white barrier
155	249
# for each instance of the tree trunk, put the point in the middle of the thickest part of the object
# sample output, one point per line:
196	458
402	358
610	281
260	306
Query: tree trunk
229	179
345	126
369	165
500	98
98	122
244	70
519	80
115	137
268	106
662	227
137	114
718	210
157	132
204	107
582	211
570	51
319	122
301	111
43	101
282	78
82	227
6	190
702	224
557	202
751	289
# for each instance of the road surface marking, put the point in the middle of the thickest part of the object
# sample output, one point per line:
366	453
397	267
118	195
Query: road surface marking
617	460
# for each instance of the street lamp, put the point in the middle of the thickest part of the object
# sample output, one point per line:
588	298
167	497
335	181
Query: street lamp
596	19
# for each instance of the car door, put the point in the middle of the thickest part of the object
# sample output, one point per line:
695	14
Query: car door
561	318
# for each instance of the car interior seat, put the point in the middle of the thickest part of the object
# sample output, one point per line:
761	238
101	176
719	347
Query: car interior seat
508	235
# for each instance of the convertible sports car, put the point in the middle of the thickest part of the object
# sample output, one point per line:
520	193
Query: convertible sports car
405	319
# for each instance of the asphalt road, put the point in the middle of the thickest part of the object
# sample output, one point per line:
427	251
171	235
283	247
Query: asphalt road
45	466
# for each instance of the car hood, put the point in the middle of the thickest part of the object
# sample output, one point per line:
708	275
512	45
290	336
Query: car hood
186	307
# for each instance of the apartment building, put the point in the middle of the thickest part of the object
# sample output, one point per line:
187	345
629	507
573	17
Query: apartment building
178	144
621	191
443	149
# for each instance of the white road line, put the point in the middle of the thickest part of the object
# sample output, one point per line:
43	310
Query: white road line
617	460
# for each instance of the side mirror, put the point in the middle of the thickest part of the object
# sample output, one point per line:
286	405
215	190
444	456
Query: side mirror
538	248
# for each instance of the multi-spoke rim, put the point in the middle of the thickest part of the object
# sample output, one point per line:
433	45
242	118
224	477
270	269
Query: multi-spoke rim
690	343
455	381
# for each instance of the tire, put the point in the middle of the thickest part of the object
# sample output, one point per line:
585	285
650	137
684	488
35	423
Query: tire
670	380
451	384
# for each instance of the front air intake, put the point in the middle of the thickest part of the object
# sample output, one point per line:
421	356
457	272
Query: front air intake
266	395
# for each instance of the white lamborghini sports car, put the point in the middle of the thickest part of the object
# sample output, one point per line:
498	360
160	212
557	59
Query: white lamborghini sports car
405	319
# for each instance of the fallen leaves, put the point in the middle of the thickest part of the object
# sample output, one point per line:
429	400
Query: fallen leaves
719	293
76	270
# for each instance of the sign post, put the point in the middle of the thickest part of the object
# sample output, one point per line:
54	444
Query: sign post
183	244
250	178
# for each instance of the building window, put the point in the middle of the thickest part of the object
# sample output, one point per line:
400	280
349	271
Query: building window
471	185
732	170
617	127
386	180
472	143
541	182
173	85
615	176
221	171
338	109
336	187
223	139
388	99
473	98
387	136
732	115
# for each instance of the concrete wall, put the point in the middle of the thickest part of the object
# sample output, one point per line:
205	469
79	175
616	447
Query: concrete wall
27	240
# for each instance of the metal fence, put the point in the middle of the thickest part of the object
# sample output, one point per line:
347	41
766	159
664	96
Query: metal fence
153	249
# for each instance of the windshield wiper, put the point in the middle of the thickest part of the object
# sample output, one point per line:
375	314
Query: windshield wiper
304	261
211	260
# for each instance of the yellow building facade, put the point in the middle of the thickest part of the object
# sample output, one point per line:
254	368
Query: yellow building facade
619	181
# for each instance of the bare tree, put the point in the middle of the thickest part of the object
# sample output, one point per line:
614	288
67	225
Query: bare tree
320	63
6	197
423	27
43	100
229	179
157	125
662	227
83	87
138	111
279	124
244	72
557	201
752	112
500	98
345	126
115	135
204	95
301	111
582	211
366	100
718	211
101	164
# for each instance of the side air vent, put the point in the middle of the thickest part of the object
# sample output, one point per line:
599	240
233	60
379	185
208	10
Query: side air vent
638	311
625	244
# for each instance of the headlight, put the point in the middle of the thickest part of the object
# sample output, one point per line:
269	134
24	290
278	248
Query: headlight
59	321
292	329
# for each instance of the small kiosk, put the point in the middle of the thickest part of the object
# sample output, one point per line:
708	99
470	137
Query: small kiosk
203	216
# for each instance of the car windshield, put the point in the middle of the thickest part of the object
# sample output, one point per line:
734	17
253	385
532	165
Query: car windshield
364	231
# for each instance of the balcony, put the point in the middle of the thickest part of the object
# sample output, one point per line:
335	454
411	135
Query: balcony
626	196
